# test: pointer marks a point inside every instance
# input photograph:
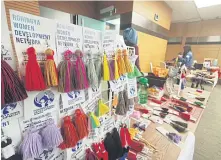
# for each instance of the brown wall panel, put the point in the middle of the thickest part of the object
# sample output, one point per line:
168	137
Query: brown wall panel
85	8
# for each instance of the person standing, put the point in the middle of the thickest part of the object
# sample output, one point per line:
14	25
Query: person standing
187	57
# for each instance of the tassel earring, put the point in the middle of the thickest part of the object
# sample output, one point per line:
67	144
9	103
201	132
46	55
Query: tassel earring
116	73
120	63
51	135
69	134
65	70
98	68
92	74
115	101
102	108
50	71
31	146
94	121
34	80
127	102
82	82
111	69
90	155
12	88
106	71
121	108
81	123
127	62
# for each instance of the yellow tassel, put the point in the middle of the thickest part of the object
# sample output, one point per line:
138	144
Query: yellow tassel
120	62
102	108
106	71
128	66
116	73
50	71
95	120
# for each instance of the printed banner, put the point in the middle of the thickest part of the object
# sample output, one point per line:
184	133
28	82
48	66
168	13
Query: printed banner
12	111
38	122
118	85
132	88
68	37
109	37
73	98
51	154
12	130
92	40
29	30
94	93
41	102
119	42
6	46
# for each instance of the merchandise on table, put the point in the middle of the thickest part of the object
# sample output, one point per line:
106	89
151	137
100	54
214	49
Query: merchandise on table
142	93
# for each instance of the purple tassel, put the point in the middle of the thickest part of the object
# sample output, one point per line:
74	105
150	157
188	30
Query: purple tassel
31	146
111	69
51	135
90	155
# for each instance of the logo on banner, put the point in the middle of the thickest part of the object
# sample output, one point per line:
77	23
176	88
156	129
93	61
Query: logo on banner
44	99
74	94
10	111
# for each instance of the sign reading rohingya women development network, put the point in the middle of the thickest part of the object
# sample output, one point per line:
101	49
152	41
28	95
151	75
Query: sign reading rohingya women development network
29	30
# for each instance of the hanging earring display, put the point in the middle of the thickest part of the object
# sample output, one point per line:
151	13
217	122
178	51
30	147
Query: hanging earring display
65	71
34	80
106	71
12	89
50	71
127	62
51	135
81	76
81	123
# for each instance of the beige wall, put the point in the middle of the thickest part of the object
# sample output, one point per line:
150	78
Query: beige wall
149	8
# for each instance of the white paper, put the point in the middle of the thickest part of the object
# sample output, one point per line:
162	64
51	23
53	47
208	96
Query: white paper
94	93
39	103
132	88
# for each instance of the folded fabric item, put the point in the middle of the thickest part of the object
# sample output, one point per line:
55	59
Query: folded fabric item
136	146
132	155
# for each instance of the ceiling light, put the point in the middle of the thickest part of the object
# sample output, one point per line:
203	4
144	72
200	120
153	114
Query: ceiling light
206	3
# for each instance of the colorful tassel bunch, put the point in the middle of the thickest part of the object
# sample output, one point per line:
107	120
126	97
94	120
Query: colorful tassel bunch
120	62
12	89
102	109
76	131
50	70
106	70
34	80
134	73
36	141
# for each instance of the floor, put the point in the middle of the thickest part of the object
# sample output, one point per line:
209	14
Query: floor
208	133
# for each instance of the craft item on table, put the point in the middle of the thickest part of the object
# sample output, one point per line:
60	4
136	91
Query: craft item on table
121	108
136	114
144	110
174	137
177	125
80	70
69	134
183	104
146	116
51	135
106	70
94	120
161	113
166	133
81	124
90	155
7	148
136	146
143	94
199	91
132	155
115	100
50	70
187	116
113	145
98	67
183	99
66	74
34	80
155	100
12	89
102	109
142	125
125	137
179	108
200	99
163	99
111	69
120	63
91	73
128	65
31	146
133	132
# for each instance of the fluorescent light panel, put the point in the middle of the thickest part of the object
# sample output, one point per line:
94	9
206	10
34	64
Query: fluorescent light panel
206	3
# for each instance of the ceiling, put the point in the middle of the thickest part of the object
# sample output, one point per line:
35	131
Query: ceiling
186	11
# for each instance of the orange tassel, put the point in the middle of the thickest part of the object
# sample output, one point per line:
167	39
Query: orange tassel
127	63
120	63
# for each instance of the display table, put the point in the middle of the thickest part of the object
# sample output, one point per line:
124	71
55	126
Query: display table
167	150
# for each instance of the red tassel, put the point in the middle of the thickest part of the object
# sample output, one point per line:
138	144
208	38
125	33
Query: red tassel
185	116
34	80
81	124
122	137
136	146
69	134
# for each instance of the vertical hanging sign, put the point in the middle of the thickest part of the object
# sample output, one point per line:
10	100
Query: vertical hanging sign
109	38
68	37
29	30
92	40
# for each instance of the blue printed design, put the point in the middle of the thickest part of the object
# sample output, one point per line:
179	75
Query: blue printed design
44	98
8	107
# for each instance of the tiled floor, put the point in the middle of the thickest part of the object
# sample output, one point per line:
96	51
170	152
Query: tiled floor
208	133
